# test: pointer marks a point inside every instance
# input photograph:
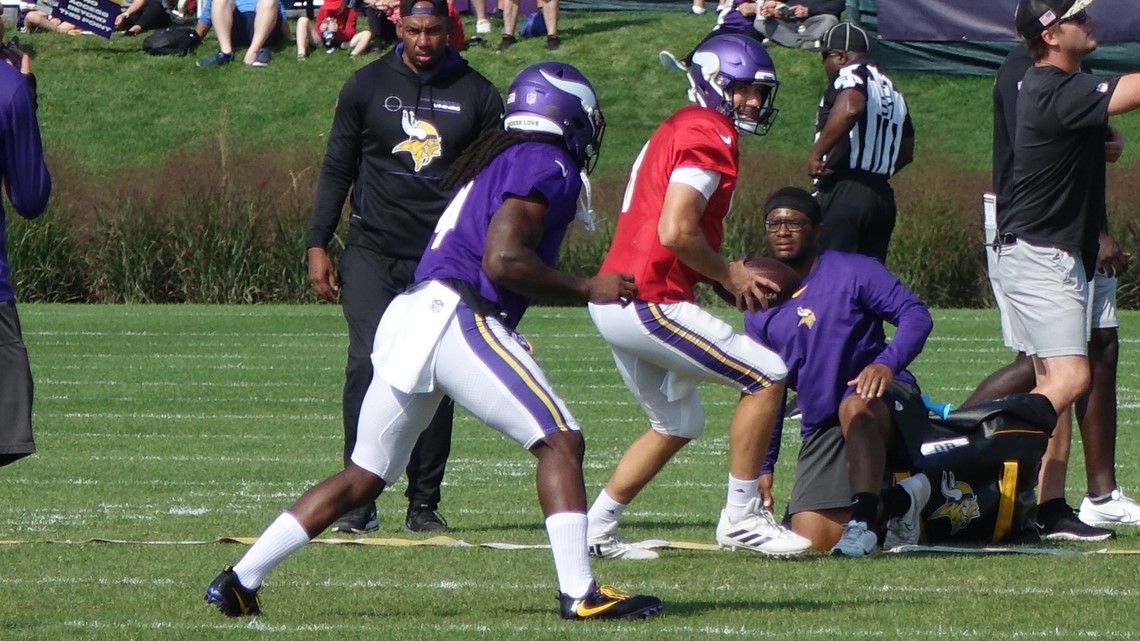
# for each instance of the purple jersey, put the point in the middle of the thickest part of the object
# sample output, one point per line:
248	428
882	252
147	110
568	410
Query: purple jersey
832	328
457	245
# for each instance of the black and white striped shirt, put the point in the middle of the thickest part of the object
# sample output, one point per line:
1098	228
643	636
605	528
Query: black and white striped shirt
873	144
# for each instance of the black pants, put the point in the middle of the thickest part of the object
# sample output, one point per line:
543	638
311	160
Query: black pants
15	389
858	213
369	281
152	16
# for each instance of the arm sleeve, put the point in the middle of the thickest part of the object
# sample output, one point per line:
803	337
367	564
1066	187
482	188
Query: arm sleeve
884	295
25	176
341	163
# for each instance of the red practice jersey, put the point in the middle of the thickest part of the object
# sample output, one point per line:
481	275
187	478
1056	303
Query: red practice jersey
693	137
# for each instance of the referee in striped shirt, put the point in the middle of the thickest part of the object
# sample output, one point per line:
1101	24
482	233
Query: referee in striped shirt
863	137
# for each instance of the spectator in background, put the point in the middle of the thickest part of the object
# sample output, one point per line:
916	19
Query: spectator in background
733	16
27	182
257	24
335	27
800	24
549	10
382	16
40	19
482	23
863	137
142	15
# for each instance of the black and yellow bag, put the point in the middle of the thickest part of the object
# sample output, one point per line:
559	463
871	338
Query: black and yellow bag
983	463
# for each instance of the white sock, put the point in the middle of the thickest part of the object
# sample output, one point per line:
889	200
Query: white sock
604	514
567	532
740	494
282	538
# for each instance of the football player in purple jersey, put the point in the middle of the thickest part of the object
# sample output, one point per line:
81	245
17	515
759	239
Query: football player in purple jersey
453	332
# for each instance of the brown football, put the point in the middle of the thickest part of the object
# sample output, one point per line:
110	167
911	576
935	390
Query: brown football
773	270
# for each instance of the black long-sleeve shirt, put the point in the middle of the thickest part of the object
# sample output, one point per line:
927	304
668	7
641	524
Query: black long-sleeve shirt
394	135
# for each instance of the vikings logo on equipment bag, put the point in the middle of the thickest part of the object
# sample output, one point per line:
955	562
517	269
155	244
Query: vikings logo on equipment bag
961	505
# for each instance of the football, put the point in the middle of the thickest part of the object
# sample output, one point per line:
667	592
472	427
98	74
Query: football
775	271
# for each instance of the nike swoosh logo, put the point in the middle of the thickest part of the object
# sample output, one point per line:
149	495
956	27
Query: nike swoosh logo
727	139
241	602
586	611
561	166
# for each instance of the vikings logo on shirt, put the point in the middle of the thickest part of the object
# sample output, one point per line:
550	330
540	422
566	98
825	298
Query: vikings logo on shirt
807	317
423	143
961	504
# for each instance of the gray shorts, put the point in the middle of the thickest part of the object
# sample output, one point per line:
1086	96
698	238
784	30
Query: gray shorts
1046	298
15	389
821	481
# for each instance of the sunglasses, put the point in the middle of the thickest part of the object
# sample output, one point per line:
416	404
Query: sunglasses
828	54
1080	17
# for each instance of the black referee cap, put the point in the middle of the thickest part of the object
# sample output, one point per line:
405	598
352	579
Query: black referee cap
846	37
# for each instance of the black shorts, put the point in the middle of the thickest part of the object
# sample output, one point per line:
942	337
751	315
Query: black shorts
821	481
15	389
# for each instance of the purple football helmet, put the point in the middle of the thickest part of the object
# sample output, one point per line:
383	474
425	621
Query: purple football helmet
555	98
724	60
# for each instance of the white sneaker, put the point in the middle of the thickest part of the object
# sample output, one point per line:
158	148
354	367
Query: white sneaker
483	26
857	541
1117	510
759	532
903	530
612	546
697	11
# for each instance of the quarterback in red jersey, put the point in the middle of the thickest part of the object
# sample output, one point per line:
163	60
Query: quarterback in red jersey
669	236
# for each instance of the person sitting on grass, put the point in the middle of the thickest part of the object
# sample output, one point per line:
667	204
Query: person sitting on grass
854	391
142	15
257	23
335	27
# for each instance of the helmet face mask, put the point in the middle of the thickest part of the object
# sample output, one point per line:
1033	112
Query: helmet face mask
555	98
724	63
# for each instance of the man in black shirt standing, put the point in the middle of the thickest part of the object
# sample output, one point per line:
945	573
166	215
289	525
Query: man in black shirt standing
1104	503
1049	235
863	137
399	124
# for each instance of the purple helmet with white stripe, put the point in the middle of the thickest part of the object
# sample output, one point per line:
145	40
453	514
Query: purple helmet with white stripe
555	98
732	59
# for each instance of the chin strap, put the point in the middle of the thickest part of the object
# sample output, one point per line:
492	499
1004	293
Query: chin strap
585	211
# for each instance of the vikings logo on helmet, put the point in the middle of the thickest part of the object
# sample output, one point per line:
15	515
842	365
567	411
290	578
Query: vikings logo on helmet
807	317
423	143
961	504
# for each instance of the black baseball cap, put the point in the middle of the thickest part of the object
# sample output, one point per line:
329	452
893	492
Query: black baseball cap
437	8
1035	16
846	37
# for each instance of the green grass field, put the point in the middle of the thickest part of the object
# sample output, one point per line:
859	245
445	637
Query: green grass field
188	423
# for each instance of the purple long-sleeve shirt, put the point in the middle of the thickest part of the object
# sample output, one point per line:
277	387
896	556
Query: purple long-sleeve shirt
833	328
22	168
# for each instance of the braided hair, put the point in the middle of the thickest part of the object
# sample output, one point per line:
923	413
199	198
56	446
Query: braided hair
487	148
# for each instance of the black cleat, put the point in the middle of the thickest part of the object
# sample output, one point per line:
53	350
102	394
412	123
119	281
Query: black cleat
424	518
607	602
231	597
361	520
1057	521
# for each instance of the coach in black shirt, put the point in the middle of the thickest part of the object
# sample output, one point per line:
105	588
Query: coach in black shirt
1049	232
399	124
864	135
